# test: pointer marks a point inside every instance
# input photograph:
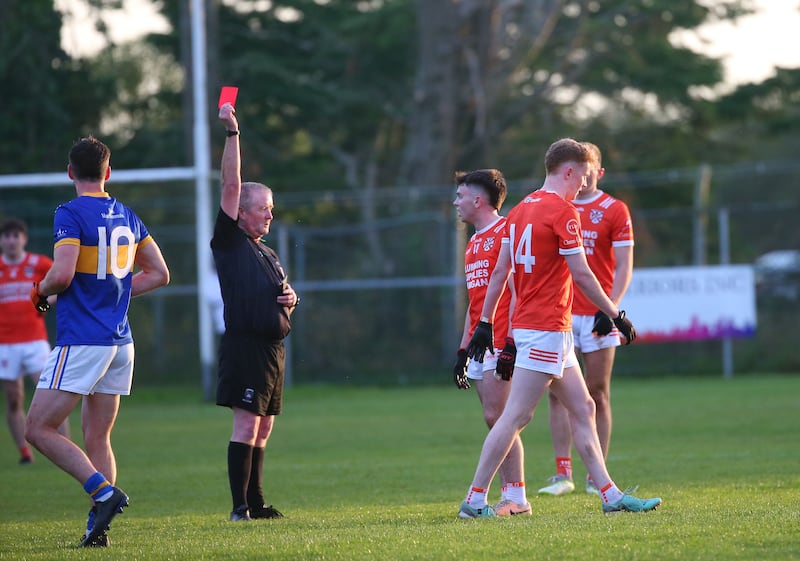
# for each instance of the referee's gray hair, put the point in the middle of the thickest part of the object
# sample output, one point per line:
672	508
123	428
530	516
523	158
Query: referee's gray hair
248	187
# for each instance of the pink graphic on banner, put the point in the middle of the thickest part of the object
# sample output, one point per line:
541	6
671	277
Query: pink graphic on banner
698	331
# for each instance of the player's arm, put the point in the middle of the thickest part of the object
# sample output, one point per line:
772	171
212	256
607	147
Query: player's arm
512	303
623	271
483	337
60	275
460	366
588	283
465	332
231	167
508	356
153	271
498	280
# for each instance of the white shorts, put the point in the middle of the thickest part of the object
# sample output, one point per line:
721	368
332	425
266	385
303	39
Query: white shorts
476	369
22	359
586	341
88	369
545	351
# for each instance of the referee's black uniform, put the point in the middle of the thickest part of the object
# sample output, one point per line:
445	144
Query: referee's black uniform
251	354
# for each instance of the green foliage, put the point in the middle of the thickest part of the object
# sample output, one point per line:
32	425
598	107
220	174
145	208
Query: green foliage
48	99
329	90
631	89
334	75
626	45
378	474
331	104
144	114
768	111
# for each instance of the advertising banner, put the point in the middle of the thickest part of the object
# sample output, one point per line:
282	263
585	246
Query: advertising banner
692	303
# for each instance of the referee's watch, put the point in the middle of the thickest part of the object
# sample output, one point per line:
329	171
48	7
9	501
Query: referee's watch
231	133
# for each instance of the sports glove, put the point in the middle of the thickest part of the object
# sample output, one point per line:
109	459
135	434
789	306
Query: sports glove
460	370
625	327
505	360
602	323
482	339
39	301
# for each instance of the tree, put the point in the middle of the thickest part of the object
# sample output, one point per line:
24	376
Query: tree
768	111
363	95
48	99
323	90
511	76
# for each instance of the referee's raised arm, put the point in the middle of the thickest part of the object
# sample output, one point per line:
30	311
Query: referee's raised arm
231	167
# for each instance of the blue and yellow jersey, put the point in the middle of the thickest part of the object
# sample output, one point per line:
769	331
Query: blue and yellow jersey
94	308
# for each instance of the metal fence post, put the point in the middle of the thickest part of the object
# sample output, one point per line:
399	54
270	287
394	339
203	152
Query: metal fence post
725	259
702	190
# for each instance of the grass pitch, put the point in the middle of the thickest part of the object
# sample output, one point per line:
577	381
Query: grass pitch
378	474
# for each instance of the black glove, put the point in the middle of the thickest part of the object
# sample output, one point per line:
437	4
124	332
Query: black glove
482	339
505	360
602	323
460	370
39	301
625	327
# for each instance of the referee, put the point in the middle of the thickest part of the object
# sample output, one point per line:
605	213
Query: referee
258	303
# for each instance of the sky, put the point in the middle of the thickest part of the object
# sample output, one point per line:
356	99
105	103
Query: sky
750	48
753	46
78	36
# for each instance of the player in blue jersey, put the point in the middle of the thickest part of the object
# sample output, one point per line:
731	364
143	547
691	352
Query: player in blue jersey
97	242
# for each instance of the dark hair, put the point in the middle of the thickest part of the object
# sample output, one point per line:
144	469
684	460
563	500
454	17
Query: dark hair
13	225
565	150
89	159
490	180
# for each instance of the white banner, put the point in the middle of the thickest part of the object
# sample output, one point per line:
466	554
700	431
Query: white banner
692	303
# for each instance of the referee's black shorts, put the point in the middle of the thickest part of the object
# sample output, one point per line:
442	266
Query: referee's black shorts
251	371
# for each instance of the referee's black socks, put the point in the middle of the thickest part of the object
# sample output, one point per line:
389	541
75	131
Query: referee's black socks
255	493
240	461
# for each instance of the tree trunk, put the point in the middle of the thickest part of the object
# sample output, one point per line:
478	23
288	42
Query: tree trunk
430	153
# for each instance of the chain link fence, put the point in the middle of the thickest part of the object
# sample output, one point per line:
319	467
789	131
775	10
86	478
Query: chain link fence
384	298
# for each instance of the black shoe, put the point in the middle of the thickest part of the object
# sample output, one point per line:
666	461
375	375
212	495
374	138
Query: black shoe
100	541
265	512
26	460
104	513
240	514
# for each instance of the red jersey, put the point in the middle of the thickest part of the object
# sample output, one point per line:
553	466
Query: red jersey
542	229
605	224
19	320
480	258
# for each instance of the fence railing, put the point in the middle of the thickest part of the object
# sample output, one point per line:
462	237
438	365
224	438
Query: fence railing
383	302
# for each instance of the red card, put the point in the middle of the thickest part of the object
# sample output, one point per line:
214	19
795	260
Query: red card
228	95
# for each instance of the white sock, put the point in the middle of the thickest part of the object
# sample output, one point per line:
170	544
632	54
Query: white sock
611	493
515	491
476	497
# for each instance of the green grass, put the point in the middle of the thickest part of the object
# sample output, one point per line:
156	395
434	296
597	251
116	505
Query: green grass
369	473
